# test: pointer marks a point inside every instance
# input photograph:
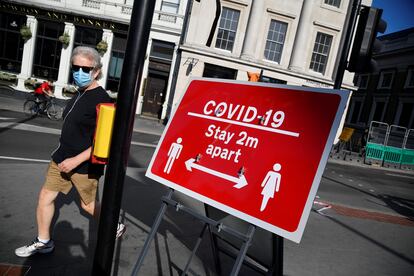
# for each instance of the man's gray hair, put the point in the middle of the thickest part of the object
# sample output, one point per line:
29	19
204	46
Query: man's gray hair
91	54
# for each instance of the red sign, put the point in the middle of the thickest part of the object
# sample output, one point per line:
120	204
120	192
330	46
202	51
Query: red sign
256	151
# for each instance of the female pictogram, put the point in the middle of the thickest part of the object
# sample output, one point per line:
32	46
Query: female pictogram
173	154
271	184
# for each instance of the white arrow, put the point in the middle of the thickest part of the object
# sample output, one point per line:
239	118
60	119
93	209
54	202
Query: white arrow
240	181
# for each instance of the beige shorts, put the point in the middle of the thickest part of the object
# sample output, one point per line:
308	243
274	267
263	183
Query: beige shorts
85	184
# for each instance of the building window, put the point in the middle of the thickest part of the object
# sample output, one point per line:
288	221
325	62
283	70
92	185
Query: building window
11	42
335	3
169	6
320	52
385	81
219	72
116	62
87	36
363	81
409	82
355	110
226	33
48	49
272	80
378	111
275	40
405	115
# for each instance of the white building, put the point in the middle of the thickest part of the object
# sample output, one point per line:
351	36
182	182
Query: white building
88	22
295	42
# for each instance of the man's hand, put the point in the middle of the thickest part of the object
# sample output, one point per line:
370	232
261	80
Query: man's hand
69	164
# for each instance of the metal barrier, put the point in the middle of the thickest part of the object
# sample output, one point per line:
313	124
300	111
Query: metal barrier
377	135
394	146
407	158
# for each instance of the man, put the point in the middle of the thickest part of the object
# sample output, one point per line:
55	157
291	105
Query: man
43	92
70	164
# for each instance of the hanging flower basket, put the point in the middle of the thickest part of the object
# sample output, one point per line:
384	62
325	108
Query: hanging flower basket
25	32
65	39
102	47
31	84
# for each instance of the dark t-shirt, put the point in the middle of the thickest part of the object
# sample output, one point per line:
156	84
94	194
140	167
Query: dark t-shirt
79	127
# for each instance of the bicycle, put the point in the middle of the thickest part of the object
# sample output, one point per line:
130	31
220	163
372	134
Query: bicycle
33	107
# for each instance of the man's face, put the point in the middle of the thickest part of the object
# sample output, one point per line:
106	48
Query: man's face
84	62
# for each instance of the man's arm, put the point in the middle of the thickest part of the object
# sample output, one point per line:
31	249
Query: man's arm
69	164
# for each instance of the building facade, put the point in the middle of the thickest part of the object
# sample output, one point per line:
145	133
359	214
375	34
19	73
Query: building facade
38	36
296	42
387	94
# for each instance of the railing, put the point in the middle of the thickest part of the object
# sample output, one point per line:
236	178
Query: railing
390	146
91	4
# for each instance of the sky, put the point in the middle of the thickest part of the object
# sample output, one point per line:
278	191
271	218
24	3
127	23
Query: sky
399	14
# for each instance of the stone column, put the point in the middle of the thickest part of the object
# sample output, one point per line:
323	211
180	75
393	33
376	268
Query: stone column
28	54
170	80
300	51
254	27
107	36
64	65
143	79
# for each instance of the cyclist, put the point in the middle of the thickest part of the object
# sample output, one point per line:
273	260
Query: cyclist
43	92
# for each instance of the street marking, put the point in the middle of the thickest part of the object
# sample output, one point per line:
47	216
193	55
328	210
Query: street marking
371	190
30	128
24	159
6	118
240	181
399	175
275	130
360	185
350	180
143	144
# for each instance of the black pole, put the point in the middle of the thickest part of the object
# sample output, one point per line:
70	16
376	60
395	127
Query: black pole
138	35
178	59
347	44
277	255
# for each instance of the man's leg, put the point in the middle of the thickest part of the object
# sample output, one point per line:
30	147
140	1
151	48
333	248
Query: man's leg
93	208
45	211
87	187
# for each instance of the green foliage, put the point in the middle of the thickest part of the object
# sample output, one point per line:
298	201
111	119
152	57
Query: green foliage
25	32
65	39
102	47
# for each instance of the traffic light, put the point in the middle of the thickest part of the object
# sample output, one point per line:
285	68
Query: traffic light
365	41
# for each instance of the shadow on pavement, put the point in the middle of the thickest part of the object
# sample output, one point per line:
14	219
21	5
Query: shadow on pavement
71	256
373	241
402	206
62	261
12	125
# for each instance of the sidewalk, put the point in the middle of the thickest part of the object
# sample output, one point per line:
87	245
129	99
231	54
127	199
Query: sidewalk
13	100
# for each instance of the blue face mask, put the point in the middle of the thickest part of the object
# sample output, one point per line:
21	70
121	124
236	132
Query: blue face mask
81	78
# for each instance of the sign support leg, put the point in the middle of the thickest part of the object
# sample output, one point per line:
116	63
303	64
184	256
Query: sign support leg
214	244
152	233
243	250
187	266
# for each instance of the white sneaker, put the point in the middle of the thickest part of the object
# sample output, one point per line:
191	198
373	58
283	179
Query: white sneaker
120	230
35	247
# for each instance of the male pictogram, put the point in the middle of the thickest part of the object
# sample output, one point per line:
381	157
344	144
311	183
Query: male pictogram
271	184
173	153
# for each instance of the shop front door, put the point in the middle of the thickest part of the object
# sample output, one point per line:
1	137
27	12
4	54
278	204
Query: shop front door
154	96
